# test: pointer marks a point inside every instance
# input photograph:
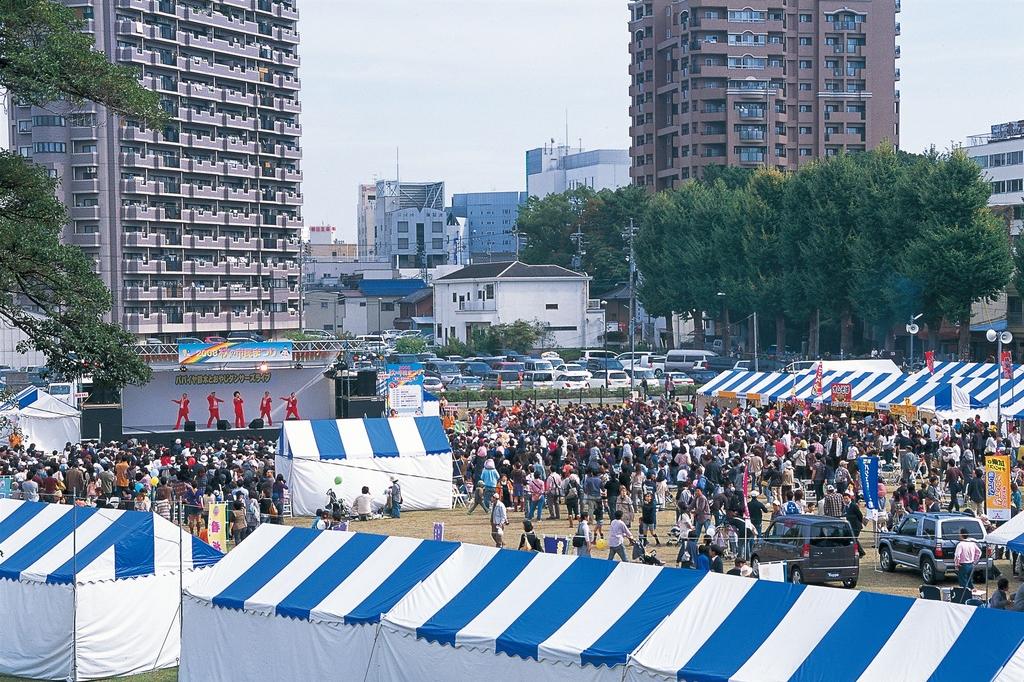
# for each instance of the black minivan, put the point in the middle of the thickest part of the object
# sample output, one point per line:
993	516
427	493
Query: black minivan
817	549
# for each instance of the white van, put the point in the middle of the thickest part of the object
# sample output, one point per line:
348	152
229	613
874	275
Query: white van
539	379
590	354
535	365
682	360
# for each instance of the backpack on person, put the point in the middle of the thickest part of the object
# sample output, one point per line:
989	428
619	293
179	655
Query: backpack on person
579	539
571	492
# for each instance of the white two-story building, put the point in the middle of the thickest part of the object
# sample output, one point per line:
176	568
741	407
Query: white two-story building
478	296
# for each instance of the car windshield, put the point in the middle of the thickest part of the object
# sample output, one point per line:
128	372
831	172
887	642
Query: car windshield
951	529
541	376
469	380
508	375
643	373
831	535
447	367
620	376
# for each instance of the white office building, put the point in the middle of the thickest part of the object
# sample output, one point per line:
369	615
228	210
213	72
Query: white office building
411	227
479	296
553	169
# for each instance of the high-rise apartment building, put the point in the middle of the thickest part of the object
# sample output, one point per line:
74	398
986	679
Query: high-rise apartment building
194	228
412	228
761	83
553	169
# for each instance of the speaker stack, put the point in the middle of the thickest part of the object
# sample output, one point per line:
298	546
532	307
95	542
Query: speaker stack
256	423
190	425
359	407
223	425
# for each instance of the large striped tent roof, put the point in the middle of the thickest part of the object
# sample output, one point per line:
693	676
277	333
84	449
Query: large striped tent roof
54	543
669	623
959	370
364	438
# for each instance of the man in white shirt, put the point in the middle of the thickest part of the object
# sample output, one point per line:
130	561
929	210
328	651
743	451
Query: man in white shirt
362	506
499	519
966	556
618	532
582	539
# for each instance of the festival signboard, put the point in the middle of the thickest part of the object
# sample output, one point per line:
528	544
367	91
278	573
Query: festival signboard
406	400
997	487
234	352
862	406
727	395
841	393
218	531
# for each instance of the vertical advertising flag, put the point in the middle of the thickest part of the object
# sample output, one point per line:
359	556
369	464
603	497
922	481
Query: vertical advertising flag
869	481
1007	365
997	487
817	379
929	361
746	493
438	530
218	535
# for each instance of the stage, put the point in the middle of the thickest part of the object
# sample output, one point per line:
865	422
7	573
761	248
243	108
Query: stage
205	435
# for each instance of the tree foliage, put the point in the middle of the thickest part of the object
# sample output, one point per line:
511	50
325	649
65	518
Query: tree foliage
410	344
45	59
520	336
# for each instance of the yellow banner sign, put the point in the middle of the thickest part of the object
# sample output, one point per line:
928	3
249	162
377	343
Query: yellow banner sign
727	395
754	398
905	411
997	487
862	406
218	533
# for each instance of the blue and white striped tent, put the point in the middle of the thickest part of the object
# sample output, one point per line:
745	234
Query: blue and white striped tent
959	370
404	609
91	592
312	455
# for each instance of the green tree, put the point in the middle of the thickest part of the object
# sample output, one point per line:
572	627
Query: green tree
45	58
765	247
962	254
410	345
520	336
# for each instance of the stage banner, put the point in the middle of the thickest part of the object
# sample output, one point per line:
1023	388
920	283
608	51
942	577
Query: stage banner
406	400
997	487
234	352
869	481
218	532
205	396
841	393
395	375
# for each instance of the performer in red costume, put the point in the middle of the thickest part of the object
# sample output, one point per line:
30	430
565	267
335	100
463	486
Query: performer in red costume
214	405
291	409
239	404
182	410
265	408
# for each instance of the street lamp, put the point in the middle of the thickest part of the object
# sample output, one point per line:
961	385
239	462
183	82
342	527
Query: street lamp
913	329
999	338
604	340
380	302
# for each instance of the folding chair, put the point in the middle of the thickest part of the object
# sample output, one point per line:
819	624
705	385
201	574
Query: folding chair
458	497
973	601
930	592
959	595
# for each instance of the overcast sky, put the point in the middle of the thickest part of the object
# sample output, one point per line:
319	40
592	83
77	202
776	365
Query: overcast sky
462	88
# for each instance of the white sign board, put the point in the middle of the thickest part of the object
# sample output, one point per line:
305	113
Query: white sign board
406	400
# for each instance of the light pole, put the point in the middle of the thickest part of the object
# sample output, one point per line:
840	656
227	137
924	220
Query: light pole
380	302
604	341
999	338
913	329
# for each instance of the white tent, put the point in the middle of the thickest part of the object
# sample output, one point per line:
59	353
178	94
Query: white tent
89	593
386	609
42	419
312	455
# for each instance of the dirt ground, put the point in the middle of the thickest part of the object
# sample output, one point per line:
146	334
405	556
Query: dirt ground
475	529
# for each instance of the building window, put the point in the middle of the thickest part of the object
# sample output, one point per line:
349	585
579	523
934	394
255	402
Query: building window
48	122
82	120
25	151
437	244
387	307
437	226
25	126
806	18
805	87
50	147
489	291
805	130
805	108
806	41
805	151
403	226
403	242
805	63
550	306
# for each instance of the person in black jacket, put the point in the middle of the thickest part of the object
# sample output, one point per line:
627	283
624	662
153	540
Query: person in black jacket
757	510
856	519
717	565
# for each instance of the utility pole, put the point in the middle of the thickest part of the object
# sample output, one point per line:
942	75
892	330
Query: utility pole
629	234
581	242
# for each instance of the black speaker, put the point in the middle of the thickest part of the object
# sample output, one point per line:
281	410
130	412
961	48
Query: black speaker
366	383
223	425
357	408
190	425
256	423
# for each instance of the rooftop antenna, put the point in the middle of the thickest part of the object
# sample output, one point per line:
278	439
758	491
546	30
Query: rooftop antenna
567	128
398	175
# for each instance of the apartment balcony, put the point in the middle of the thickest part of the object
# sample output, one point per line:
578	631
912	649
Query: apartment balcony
144	323
290	152
139	187
200	91
243	268
898	31
200	166
83	186
249	195
137	265
84	239
236	97
844	138
242	244
204	117
83	133
285	36
243	219
194	293
239	146
284	128
202	268
239	122
85	159
201	217
141	293
141	213
240	171
844	116
192	241
236	48
283	294
143	239
897	74
476	306
203	42
197	192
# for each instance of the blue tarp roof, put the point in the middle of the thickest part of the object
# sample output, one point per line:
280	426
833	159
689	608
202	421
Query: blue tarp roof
390	287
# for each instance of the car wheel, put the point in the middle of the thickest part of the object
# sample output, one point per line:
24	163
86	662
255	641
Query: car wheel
796	576
850	583
885	560
658	372
928	572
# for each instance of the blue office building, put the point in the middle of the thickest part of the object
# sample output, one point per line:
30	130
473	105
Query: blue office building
489	219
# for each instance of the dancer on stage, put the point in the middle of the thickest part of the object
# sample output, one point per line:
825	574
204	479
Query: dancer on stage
182	410
214	405
291	410
239	404
265	404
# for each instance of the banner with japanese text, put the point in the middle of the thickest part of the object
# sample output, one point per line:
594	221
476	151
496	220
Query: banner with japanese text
997	487
218	531
869	481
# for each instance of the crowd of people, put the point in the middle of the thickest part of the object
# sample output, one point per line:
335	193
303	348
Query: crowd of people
607	470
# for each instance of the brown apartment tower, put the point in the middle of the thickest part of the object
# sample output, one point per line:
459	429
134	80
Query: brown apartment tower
758	83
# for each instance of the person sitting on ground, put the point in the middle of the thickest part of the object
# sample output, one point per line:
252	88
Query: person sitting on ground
1000	599
529	540
362	506
740	568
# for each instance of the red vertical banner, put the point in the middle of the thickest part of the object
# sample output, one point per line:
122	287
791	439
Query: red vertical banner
817	379
746	493
929	361
1007	365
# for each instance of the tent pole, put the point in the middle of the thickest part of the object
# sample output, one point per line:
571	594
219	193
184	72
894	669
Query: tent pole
74	591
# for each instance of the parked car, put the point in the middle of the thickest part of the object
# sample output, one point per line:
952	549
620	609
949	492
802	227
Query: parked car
318	334
590	354
926	542
700	376
643	375
817	549
643	359
432	384
246	336
576	367
602	364
151	341
214	339
502	379
538	379
465	383
571	380
534	365
681	378
188	339
550	355
476	369
443	369
682	360
610	379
